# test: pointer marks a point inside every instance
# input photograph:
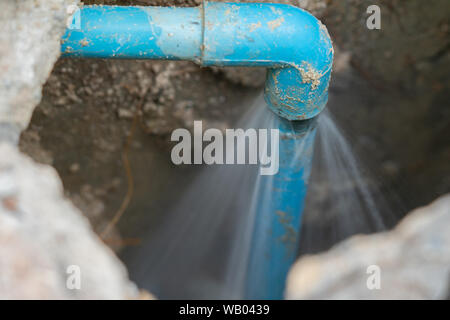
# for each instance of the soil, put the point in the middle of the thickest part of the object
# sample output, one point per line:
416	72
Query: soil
390	96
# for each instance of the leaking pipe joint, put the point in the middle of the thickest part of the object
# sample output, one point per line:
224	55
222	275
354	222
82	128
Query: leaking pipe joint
290	42
297	52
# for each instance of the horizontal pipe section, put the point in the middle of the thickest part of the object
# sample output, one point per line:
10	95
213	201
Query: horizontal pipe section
163	33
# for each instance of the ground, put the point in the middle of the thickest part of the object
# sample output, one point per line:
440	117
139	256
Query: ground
389	94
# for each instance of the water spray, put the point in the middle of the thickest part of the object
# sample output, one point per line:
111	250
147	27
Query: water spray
296	50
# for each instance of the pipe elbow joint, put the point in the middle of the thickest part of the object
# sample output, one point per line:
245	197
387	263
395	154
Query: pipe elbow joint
294	46
298	89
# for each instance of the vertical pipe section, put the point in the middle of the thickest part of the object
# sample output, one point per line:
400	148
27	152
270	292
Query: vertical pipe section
280	202
167	33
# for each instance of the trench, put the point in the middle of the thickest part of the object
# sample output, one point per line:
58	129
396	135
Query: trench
93	102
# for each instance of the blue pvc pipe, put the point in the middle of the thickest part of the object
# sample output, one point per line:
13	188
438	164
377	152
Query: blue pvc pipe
135	32
279	207
290	42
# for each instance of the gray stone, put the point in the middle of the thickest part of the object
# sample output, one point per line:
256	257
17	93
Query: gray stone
414	262
42	234
29	46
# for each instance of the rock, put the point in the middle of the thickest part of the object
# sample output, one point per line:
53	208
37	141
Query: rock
123	113
29	46
413	259
43	238
9	132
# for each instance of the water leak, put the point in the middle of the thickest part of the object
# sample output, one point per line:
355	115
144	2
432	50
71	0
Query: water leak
201	248
344	197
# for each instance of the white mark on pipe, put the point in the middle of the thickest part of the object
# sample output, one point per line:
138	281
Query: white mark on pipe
275	23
